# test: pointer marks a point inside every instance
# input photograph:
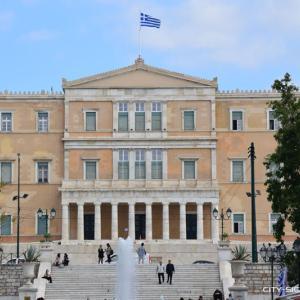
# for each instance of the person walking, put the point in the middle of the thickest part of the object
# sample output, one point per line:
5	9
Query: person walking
170	269
47	276
141	253
160	270
100	255
109	251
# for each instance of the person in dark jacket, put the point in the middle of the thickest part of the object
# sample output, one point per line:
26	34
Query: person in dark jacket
66	260
170	270
100	254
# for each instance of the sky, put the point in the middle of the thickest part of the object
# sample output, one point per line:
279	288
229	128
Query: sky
246	44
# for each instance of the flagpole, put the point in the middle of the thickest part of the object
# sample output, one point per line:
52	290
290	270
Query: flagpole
140	36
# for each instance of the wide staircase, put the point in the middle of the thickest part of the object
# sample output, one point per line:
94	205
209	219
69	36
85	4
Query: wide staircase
98	282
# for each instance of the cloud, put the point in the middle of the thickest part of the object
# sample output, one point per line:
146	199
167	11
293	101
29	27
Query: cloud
245	34
38	35
6	19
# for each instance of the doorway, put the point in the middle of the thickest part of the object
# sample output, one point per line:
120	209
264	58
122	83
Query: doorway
140	226
89	227
191	226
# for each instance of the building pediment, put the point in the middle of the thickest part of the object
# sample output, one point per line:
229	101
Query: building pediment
139	75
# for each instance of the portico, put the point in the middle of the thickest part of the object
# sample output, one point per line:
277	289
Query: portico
160	216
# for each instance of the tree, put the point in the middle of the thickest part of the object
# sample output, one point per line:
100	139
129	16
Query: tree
283	166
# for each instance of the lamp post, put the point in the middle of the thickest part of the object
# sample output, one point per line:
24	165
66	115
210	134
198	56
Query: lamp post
269	254
50	216
296	248
18	197
222	217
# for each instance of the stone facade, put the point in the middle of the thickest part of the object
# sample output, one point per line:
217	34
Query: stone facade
66	138
11	278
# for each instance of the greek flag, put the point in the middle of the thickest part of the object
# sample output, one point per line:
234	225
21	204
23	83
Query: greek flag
282	277
148	21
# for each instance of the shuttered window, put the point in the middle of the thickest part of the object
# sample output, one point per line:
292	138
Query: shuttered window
189	169
140	164
273	220
90	170
238	223
5	172
237	171
41	225
42	172
5	225
123	165
156	116
273	122
140	121
156	164
189	120
123	117
90	121
237	120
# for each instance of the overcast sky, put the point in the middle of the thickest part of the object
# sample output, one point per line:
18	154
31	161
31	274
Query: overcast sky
246	44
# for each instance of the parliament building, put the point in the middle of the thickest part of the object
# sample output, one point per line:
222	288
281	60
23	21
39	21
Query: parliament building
138	151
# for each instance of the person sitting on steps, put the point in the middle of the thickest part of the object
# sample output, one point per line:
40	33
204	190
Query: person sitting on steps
47	276
66	260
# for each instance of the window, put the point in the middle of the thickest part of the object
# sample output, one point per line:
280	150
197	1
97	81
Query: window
189	169
6	121
237	120
238	223
273	220
42	225
42	121
140	164
5	225
189	120
156	164
123	165
90	121
273	123
139	116
156	116
123	117
42	172
237	171
5	172
90	170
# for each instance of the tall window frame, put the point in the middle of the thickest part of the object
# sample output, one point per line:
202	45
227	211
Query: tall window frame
189	125
6	121
140	120
6	225
123	164
156	116
234	163
272	123
89	163
273	218
238	226
123	120
157	164
89	124
140	164
6	176
42	121
42	170
237	124
188	163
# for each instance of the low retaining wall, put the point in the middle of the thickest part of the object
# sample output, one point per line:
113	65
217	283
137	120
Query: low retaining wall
258	275
11	278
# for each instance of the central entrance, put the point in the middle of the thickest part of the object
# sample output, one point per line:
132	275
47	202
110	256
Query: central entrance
140	226
89	228
191	226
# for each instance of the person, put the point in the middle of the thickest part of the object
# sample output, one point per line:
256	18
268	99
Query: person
200	298
230	296
109	251
170	270
47	276
160	270
217	295
141	253
66	260
100	254
57	261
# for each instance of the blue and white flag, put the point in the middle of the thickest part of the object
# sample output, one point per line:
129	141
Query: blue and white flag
148	21
282	279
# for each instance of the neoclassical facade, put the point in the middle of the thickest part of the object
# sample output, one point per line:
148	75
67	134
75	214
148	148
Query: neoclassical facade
139	151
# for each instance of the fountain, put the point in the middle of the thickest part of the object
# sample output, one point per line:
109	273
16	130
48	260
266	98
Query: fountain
126	270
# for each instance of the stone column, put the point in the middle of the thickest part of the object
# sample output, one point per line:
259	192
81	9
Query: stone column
199	221
131	221
80	213
166	221
165	164
115	116
214	225
182	221
65	222
115	164
66	164
148	154
213	164
149	221
148	109
131	116
164	116
131	157
97	221
114	221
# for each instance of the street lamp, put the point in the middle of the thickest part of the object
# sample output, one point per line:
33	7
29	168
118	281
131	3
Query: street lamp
50	216
296	247
269	254
222	217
